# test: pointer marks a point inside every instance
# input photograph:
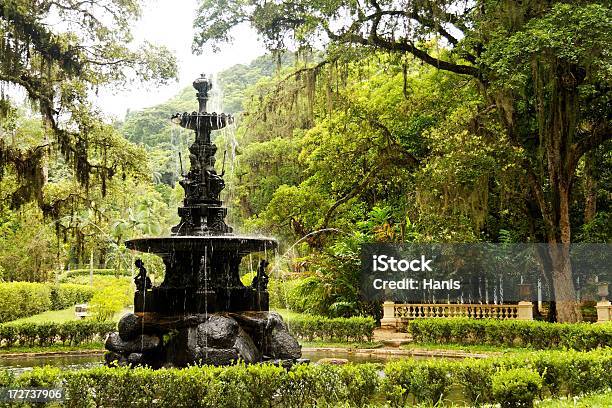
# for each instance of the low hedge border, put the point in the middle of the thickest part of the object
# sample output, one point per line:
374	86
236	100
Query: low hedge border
311	328
404	382
24	299
47	334
511	333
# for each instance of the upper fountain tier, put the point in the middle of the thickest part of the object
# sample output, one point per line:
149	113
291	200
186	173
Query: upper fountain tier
202	213
202	122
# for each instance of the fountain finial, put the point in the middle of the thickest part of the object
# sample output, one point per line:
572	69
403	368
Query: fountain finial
202	85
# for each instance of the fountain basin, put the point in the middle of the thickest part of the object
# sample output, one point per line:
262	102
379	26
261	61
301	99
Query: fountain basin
235	243
202	274
202	120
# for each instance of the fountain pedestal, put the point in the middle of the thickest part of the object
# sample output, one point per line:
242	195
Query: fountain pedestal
202	313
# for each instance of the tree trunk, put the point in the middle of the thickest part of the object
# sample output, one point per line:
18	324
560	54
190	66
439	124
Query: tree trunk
559	129
563	284
590	189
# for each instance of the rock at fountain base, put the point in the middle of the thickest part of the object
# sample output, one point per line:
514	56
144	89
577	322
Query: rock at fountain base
217	339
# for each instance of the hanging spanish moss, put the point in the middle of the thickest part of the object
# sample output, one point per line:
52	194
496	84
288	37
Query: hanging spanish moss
29	171
54	73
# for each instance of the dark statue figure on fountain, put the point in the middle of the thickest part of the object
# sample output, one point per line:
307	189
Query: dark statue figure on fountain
201	308
142	281
260	281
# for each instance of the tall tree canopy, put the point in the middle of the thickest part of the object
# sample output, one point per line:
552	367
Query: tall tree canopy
543	66
59	52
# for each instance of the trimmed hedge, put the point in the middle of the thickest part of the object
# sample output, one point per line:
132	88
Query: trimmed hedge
540	335
97	272
46	334
306	327
23	299
404	382
311	328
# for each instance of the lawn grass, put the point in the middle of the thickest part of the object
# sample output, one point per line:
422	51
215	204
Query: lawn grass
288	314
60	316
599	400
97	345
345	345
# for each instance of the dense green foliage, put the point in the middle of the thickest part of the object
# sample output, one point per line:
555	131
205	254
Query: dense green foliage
22	299
506	132
33	247
105	303
89	184
541	335
50	333
339	329
368	148
404	382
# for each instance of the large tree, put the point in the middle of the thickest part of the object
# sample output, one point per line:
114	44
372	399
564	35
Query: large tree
544	66
59	52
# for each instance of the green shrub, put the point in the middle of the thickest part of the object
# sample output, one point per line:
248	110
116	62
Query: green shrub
68	294
283	294
120	283
510	333
311	328
105	303
49	333
247	278
425	381
23	299
517	387
475	380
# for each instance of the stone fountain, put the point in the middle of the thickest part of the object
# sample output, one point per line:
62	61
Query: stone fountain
201	313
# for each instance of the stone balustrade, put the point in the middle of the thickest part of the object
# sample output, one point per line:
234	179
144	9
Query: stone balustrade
396	313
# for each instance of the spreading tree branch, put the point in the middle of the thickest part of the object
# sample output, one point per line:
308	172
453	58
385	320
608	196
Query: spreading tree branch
600	134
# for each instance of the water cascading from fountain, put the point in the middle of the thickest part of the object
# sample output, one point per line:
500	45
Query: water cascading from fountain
202	313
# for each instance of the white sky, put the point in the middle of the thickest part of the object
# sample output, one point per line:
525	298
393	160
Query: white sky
170	23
